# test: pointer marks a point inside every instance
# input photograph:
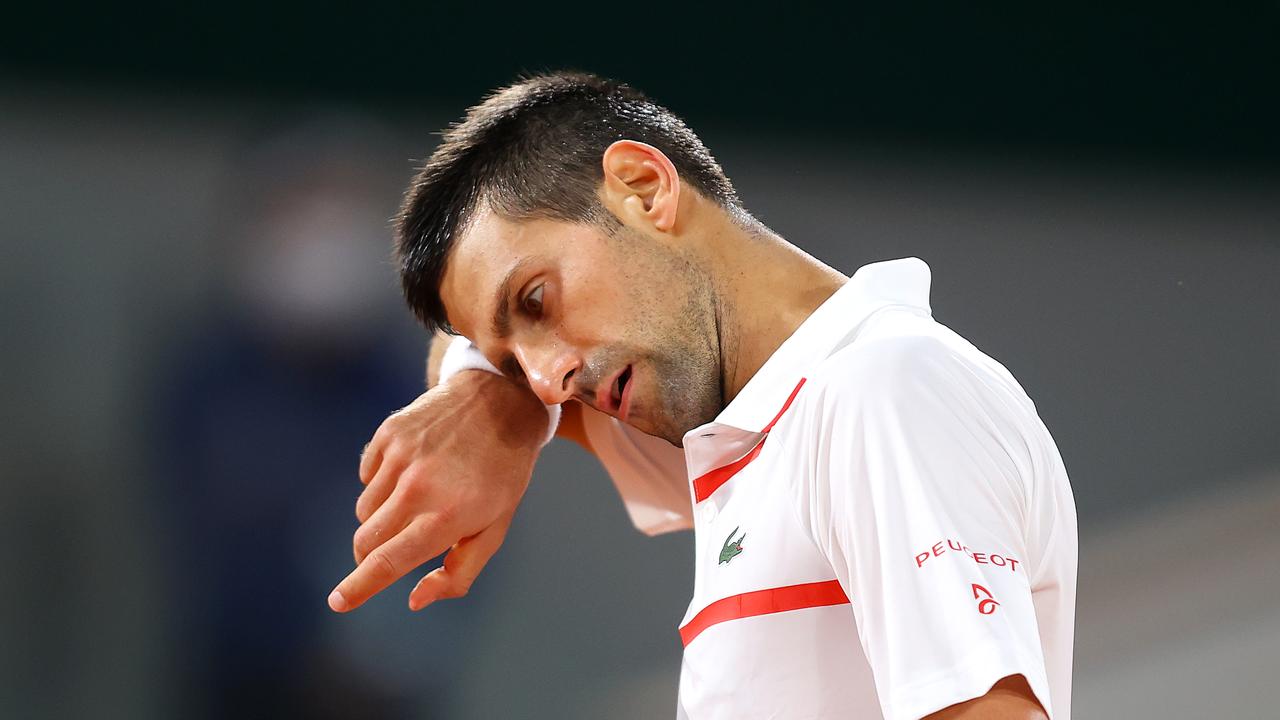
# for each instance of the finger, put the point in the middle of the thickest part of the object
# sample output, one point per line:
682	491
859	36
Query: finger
371	458
385	523
462	565
419	542
377	490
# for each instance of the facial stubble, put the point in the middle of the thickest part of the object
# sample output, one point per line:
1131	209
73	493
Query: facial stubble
678	337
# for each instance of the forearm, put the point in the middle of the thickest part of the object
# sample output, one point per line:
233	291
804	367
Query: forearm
571	419
435	355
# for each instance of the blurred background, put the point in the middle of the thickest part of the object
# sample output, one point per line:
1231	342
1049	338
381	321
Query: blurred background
202	329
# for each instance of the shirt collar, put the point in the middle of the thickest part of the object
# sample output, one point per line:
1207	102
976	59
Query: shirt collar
872	287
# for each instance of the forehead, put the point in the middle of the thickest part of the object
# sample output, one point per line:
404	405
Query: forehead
486	251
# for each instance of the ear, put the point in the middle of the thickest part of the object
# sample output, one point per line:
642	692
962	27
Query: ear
641	185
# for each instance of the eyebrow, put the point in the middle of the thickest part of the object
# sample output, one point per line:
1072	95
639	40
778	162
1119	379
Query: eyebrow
501	322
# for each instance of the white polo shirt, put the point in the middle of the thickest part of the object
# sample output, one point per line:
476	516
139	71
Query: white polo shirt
883	524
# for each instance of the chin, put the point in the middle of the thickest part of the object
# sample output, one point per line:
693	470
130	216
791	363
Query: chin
671	425
664	432
672	430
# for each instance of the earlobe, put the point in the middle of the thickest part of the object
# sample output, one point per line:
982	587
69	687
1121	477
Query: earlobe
641	181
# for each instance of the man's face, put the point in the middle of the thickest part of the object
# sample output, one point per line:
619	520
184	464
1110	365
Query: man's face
617	320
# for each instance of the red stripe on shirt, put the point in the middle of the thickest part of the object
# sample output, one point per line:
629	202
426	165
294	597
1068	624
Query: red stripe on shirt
764	602
708	483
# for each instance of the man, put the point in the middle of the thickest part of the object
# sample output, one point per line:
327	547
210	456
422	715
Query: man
883	525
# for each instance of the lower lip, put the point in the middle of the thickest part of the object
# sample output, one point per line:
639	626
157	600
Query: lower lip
624	403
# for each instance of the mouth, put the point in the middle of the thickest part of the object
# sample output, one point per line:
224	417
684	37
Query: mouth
617	401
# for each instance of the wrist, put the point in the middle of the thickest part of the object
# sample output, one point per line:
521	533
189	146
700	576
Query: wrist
513	412
461	356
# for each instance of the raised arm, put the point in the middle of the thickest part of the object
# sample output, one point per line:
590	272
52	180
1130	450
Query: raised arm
571	422
445	474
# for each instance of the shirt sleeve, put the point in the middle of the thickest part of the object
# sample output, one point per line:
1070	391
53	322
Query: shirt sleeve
916	491
649	473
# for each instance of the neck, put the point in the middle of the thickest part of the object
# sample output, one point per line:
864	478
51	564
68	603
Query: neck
767	288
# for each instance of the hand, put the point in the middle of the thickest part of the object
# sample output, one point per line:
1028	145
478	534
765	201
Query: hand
445	473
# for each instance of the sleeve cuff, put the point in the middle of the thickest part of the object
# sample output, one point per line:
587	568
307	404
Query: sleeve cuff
968	679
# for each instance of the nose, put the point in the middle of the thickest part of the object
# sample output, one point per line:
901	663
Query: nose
550	371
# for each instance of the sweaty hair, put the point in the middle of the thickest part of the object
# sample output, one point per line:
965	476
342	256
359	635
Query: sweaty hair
533	150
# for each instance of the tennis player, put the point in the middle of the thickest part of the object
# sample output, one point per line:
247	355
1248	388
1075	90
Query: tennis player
883	525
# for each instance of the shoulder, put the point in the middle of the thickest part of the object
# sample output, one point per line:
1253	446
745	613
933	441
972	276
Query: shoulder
909	358
907	369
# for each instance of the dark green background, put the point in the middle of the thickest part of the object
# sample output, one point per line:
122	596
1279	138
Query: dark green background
1186	83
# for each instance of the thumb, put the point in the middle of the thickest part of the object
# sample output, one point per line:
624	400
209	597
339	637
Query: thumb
462	565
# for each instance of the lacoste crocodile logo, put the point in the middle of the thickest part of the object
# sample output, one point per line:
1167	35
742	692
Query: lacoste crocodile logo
732	548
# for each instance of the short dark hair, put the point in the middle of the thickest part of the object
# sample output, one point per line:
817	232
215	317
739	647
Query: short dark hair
533	150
